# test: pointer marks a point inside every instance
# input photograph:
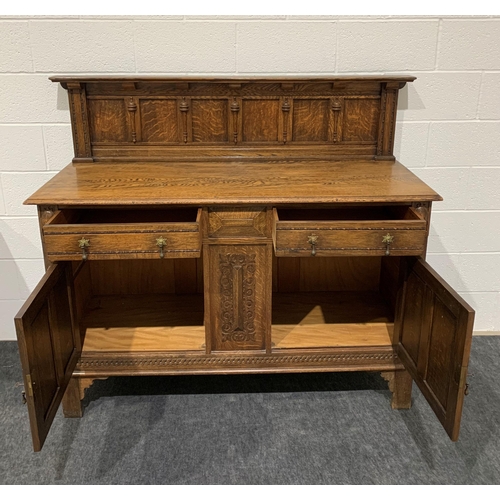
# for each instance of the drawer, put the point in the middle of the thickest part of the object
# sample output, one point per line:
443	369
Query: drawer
349	231
97	234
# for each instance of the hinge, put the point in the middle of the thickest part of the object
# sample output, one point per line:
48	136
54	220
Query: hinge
30	386
466	391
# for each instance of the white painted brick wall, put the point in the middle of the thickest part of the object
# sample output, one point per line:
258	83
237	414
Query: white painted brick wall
272	47
180	47
31	98
19	186
15	49
410	143
490	97
448	131
468	143
430	97
22	148
85	46
58	145
469	44
2	204
387	46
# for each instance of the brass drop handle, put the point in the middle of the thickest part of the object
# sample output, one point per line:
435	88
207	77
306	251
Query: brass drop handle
161	242
312	240
387	239
84	244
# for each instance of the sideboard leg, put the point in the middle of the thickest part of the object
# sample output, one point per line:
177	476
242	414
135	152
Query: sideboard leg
72	399
400	384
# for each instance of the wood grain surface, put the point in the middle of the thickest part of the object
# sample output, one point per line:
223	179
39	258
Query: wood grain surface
434	326
330	319
201	184
122	234
349	231
159	322
154	118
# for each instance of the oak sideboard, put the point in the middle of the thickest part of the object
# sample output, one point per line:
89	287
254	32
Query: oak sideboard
237	225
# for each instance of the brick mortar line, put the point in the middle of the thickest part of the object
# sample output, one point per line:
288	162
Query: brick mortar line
481	81
452	120
478	211
438	43
462	253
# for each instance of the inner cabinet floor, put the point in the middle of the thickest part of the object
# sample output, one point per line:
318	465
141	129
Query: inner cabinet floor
124	313
162	322
141	305
330	319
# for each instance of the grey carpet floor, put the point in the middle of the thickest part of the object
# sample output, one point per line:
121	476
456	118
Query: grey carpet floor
272	429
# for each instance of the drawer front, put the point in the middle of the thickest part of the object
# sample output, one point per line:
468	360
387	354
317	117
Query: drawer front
325	238
149	240
348	242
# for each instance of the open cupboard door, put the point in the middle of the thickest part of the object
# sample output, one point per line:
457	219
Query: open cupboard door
435	339
49	346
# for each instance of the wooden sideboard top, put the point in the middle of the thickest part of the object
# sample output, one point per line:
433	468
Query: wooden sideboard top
216	183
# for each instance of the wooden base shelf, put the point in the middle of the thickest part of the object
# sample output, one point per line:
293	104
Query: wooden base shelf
159	322
170	322
330	319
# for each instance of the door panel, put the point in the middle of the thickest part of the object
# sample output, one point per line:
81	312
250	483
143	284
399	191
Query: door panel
435	339
49	346
239	292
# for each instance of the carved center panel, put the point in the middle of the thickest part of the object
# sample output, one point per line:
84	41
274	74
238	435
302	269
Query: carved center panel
237	288
239	299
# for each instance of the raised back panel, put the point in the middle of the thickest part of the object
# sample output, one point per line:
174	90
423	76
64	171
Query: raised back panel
361	120
159	121
108	121
210	120
154	118
311	118
261	120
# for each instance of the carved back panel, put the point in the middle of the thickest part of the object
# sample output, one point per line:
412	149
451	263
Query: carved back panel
152	118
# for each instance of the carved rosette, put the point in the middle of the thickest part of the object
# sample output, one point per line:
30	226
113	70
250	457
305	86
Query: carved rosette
237	288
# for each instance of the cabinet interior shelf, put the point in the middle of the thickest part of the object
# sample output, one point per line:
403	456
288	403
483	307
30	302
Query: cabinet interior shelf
170	322
157	322
330	319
